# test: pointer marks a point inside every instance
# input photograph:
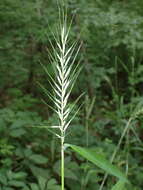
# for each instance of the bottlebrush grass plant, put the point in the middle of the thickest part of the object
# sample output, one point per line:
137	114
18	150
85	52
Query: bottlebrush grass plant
66	71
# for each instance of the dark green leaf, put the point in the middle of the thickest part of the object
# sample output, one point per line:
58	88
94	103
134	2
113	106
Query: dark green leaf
38	159
17	132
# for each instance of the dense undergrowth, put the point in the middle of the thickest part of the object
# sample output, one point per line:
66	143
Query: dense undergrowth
111	35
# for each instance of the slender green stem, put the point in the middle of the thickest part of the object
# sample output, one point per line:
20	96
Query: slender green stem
87	132
62	163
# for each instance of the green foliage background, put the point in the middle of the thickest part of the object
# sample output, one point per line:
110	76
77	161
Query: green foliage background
111	33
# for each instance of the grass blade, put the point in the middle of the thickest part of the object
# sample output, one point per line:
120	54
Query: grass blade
99	161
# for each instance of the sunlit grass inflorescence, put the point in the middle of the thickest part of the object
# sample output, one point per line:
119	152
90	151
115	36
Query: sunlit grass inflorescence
65	76
66	71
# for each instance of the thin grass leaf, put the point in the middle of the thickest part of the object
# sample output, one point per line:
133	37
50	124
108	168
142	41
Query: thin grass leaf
90	107
99	161
120	185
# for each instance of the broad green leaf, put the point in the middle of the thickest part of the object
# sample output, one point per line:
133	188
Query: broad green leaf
3	179
9	175
42	182
120	185
8	188
99	161
19	175
36	171
26	188
18	124
34	186
52	185
16	183
28	152
70	174
17	132
52	182
38	159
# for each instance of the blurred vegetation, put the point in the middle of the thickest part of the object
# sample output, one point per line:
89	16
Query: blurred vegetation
111	33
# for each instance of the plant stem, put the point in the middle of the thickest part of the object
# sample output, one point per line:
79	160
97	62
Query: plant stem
62	163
